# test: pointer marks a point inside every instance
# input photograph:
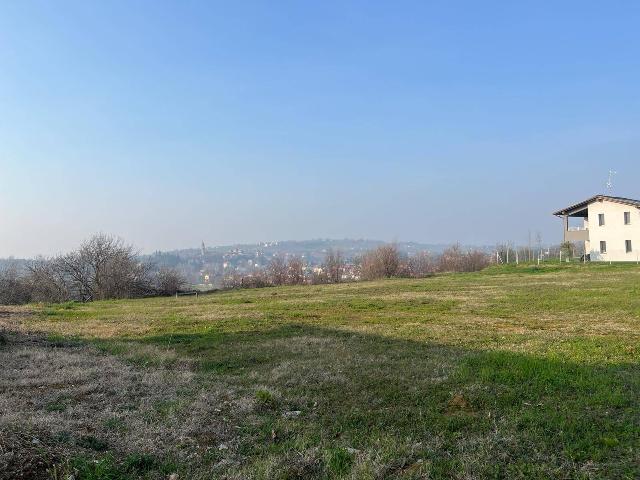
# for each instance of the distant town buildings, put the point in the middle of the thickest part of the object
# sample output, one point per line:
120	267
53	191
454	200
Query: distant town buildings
208	265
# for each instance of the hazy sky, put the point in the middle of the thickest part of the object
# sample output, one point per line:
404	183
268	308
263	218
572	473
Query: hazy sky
168	123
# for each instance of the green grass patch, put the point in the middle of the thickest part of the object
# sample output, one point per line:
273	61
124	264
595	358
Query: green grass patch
58	405
339	462
110	467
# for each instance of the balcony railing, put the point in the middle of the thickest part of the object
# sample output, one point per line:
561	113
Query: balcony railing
577	229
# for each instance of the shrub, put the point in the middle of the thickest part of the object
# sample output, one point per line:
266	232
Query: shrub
168	281
454	259
383	262
277	270
295	271
14	288
421	265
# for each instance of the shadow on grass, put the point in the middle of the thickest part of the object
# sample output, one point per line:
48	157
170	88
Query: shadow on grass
450	411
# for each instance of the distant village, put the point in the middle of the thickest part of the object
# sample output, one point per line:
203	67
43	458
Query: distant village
207	266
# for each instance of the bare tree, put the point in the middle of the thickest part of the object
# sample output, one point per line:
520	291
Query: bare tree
475	260
454	259
295	270
451	259
257	279
13	287
382	262
421	265
334	265
48	281
169	281
78	276
278	270
105	267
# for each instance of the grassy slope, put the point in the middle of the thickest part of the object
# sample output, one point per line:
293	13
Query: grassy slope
512	372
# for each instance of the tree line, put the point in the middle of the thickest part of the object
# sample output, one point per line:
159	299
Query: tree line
103	267
385	261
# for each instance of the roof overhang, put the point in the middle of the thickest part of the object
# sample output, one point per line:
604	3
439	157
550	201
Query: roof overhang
597	198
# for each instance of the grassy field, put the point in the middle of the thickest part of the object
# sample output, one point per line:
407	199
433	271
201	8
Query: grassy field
513	372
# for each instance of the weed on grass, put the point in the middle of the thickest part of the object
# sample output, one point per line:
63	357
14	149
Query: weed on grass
58	405
92	443
339	461
107	467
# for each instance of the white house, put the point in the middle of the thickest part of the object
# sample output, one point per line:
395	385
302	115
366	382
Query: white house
608	226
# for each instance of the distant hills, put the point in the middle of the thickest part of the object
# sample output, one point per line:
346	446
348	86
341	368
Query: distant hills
312	248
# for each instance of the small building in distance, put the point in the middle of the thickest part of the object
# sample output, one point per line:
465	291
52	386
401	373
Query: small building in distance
608	226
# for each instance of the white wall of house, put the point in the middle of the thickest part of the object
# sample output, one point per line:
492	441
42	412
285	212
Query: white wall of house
614	232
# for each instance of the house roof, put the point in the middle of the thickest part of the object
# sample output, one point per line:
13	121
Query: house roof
579	206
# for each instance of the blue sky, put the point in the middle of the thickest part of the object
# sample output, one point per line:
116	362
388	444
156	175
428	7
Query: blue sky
168	123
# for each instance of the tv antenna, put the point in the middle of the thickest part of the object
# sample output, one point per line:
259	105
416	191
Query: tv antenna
612	173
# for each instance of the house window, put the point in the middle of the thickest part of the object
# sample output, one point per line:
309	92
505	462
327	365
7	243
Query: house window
603	247
627	244
627	218
601	219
